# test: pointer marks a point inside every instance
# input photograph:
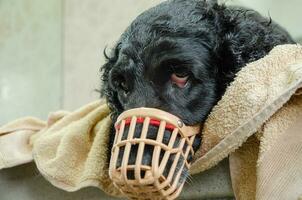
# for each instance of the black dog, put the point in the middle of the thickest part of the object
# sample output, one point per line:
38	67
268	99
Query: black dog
181	55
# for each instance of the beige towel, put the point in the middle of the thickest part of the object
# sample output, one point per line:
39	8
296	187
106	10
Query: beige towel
260	102
70	150
257	123
14	141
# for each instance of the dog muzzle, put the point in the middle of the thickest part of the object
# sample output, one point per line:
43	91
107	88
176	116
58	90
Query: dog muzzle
138	180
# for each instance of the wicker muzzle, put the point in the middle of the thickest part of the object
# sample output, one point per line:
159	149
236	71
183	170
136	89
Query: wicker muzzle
148	181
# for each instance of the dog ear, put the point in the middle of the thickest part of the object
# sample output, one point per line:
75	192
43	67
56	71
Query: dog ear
243	36
107	92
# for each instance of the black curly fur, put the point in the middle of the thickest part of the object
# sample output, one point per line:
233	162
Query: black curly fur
233	36
210	42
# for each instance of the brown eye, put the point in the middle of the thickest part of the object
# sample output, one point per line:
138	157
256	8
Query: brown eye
179	77
181	74
179	81
123	85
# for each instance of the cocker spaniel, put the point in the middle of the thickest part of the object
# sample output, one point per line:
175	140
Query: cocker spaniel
180	56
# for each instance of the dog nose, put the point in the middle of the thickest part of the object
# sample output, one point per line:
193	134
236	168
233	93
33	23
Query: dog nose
151	153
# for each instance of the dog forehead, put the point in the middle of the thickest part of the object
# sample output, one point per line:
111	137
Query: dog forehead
169	17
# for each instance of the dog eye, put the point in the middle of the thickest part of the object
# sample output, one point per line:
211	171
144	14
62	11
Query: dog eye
122	84
179	80
179	77
181	74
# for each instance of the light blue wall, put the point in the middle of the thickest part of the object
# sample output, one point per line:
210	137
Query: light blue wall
30	58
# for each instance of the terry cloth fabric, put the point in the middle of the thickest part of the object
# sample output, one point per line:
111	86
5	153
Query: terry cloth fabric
70	150
257	123
253	124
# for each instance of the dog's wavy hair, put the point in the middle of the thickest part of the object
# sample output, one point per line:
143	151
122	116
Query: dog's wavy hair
241	36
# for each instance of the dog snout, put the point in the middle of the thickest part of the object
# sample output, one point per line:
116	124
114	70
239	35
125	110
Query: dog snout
147	157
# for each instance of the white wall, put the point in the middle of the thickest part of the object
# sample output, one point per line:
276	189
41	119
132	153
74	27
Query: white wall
90	25
30	58
287	13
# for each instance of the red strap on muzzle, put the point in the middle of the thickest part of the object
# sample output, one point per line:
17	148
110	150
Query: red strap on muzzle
140	120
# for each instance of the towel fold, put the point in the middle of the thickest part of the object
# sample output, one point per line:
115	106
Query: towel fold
257	123
70	150
256	111
15	147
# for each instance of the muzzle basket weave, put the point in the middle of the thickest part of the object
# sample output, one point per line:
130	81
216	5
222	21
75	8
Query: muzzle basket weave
149	181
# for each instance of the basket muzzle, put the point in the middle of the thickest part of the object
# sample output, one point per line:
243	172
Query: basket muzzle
170	148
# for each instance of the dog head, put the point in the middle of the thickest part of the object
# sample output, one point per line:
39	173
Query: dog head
164	60
180	56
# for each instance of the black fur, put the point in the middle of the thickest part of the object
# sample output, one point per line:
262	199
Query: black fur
208	41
